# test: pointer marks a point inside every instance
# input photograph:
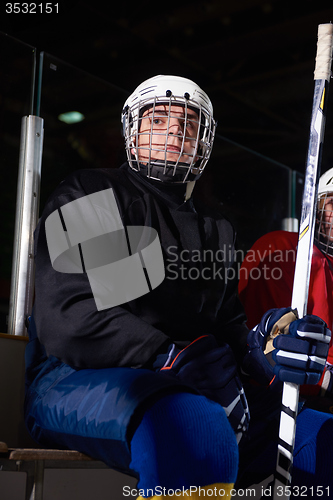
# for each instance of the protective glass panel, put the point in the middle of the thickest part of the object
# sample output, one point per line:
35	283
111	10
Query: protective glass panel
255	193
82	127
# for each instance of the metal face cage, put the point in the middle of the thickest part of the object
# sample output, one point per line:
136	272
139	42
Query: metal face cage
324	223
168	137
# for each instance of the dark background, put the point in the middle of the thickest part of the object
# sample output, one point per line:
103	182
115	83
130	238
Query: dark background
254	58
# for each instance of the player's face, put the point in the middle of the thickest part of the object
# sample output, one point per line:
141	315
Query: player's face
327	219
165	134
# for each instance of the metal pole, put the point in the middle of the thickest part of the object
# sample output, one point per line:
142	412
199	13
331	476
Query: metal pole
27	206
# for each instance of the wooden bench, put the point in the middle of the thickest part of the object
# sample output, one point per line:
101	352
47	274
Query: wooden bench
34	461
18	452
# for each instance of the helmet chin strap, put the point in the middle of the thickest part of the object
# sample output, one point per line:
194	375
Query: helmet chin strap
171	175
189	188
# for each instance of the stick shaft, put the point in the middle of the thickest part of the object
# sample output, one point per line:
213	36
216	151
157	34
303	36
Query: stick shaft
290	395
309	202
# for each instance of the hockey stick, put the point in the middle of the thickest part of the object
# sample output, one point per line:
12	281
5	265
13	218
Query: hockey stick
290	395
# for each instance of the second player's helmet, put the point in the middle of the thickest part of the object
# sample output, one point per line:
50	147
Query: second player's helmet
324	219
152	158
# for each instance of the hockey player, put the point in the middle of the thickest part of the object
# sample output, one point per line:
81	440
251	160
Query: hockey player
136	363
269	268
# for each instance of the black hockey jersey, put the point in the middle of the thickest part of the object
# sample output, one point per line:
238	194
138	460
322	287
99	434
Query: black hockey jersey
197	296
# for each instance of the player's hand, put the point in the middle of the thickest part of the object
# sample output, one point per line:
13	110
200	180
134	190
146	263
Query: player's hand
256	364
300	356
211	369
300	348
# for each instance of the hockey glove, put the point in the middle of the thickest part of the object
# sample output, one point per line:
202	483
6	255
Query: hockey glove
300	356
256	364
212	370
165	359
300	349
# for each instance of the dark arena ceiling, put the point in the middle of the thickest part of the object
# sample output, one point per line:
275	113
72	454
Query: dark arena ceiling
254	58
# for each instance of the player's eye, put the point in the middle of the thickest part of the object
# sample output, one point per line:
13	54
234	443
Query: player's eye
157	120
193	122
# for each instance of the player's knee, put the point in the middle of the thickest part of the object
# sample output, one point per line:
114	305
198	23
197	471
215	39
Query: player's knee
313	457
182	440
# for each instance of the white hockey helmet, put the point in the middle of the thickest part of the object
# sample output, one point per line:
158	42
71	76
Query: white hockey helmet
325	184
324	219
168	91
